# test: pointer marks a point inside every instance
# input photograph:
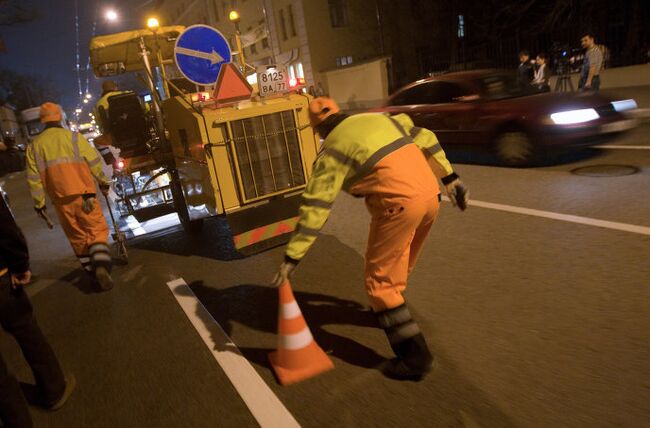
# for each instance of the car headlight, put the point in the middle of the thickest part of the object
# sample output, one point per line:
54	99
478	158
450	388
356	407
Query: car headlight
624	105
572	117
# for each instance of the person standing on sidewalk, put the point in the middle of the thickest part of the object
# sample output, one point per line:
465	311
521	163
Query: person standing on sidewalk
64	165
394	166
592	65
16	318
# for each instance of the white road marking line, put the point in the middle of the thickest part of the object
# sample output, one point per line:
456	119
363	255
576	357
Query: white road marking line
625	227
264	405
621	147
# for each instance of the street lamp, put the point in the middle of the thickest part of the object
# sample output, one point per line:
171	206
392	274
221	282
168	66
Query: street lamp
88	96
78	111
234	17
111	15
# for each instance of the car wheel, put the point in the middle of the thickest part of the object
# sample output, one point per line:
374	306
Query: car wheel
514	148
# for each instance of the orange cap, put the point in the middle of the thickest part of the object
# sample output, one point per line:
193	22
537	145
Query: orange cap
50	112
320	109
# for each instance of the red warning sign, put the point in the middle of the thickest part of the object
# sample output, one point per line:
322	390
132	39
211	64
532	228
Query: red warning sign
231	85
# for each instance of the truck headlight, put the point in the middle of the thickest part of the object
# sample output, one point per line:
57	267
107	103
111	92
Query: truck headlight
572	117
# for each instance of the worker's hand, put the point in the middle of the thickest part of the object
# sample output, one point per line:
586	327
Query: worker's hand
286	269
88	204
458	194
21	278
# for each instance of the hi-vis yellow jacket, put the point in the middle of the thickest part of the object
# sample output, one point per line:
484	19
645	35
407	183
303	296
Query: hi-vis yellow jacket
349	155
62	163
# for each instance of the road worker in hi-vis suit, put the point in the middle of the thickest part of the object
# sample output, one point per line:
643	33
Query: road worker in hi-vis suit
63	165
395	166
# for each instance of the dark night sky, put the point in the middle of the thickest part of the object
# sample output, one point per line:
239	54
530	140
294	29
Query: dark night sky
46	46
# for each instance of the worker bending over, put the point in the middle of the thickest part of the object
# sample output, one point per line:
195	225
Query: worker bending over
394	166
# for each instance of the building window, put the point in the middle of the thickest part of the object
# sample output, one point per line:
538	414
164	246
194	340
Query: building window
283	25
215	10
338	13
343	61
265	43
461	26
292	21
253	49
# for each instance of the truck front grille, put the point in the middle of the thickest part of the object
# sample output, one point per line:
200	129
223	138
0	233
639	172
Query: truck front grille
268	153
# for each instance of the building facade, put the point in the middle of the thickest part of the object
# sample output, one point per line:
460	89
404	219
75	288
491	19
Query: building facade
309	37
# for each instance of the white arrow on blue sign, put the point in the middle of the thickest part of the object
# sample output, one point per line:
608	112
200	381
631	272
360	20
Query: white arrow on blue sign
200	51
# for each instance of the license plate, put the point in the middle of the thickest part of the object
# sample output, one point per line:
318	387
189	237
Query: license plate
621	125
273	81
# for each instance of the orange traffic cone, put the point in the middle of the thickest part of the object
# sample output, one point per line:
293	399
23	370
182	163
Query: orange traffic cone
298	357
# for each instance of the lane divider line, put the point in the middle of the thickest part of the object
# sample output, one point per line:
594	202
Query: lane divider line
621	147
625	227
263	404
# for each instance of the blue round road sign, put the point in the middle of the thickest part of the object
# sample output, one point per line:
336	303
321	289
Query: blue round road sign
200	51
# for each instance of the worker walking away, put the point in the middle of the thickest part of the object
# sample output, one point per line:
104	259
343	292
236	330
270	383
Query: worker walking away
62	164
17	319
393	165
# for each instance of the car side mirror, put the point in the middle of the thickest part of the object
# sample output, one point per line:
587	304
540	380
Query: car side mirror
467	98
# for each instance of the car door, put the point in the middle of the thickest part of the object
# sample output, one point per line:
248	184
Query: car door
445	107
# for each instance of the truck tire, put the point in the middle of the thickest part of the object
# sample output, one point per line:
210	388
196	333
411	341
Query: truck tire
191	227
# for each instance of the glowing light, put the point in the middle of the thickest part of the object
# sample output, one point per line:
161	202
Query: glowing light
233	16
624	105
574	116
153	24
120	164
293	82
111	15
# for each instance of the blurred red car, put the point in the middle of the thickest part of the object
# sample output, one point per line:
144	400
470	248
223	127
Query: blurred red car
488	109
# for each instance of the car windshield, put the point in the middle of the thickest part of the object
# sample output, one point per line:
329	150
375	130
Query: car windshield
501	86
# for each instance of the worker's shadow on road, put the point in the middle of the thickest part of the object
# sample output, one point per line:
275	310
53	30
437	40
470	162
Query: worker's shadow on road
255	306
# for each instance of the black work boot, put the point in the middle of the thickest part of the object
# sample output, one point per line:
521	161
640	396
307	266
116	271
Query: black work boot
103	278
414	360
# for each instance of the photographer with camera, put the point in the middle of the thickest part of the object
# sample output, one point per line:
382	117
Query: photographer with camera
592	65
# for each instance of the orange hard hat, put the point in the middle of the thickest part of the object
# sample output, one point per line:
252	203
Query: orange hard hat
320	109
50	112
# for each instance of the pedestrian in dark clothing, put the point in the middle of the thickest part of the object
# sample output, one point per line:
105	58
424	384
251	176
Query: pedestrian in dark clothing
16	319
525	70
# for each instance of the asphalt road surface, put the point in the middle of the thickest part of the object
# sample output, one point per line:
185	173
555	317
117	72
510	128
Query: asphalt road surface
535	300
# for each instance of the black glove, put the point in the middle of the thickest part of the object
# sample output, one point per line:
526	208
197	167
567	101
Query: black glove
41	210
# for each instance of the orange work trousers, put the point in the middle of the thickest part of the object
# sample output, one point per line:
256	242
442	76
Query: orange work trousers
83	230
398	230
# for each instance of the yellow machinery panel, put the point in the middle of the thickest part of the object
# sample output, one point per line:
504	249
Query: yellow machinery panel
250	161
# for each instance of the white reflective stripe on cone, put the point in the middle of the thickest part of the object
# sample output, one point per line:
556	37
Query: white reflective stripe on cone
84	259
289	310
296	341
